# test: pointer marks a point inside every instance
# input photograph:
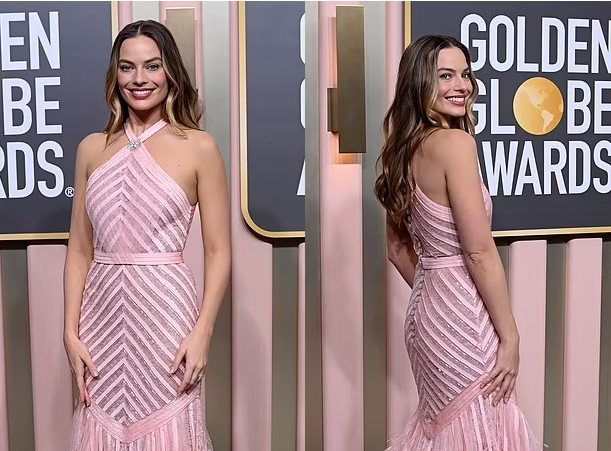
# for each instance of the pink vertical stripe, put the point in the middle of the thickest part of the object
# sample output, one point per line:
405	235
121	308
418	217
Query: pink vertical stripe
527	285
199	65
252	299
402	392
51	377
341	271
3	399
125	13
582	343
301	363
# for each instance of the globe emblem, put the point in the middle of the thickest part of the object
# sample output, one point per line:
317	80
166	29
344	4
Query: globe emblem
538	106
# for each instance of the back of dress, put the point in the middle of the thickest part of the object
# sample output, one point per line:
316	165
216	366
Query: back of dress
452	345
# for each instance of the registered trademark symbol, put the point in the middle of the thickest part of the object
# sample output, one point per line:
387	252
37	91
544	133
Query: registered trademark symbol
69	191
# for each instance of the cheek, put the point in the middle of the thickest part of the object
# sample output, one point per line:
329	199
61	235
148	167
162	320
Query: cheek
159	79
122	79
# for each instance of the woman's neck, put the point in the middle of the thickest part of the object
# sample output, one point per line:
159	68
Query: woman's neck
139	121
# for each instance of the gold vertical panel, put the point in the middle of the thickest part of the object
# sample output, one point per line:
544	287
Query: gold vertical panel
503	249
332	119
181	22
216	95
114	11
313	316
284	347
554	346
407	22
351	79
374	232
17	348
604	409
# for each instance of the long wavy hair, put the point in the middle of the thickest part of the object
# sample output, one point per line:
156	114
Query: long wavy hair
182	107
410	120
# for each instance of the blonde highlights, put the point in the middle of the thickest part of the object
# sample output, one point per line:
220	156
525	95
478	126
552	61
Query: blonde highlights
182	107
411	119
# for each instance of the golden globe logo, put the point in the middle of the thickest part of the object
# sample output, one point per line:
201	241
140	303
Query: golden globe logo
538	106
570	161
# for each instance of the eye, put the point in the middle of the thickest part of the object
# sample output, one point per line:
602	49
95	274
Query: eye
124	67
466	75
154	66
445	76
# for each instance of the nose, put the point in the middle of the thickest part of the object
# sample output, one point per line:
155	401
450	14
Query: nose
139	77
461	84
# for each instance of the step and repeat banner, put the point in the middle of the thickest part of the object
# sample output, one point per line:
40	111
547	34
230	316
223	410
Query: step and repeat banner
272	127
544	110
54	57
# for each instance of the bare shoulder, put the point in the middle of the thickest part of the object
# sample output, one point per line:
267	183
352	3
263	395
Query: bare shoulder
92	142
204	141
449	145
91	146
203	145
452	149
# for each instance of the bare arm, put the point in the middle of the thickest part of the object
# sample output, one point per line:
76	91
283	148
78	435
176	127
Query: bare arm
401	251
465	194
78	259
80	246
214	211
215	221
484	263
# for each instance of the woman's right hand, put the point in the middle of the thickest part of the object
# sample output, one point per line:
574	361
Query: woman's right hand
502	379
79	358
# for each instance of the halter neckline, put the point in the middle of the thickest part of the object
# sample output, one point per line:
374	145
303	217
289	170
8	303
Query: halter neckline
136	141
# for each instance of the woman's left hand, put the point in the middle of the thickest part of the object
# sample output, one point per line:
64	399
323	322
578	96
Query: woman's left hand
194	350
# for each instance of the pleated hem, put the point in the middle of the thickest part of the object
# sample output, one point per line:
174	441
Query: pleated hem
480	427
183	431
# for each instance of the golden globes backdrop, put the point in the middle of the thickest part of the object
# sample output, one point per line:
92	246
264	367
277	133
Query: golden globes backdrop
54	57
272	85
544	109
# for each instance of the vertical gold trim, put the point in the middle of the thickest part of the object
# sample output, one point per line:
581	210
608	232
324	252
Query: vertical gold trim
114	13
215	80
314	435
553	418
350	43
285	311
604	402
375	325
181	22
243	136
15	300
407	22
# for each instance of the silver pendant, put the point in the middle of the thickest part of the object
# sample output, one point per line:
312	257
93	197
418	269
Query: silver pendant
133	145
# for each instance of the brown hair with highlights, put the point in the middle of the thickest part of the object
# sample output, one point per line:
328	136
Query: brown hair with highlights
182	107
410	120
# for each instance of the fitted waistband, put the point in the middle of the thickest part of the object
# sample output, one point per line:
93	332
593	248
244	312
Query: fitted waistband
147	258
450	261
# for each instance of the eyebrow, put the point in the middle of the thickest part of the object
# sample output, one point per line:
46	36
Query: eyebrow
123	60
450	70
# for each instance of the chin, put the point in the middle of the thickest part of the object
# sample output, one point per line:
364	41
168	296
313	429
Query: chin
456	112
143	106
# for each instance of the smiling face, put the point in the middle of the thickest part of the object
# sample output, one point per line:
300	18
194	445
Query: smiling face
140	75
454	85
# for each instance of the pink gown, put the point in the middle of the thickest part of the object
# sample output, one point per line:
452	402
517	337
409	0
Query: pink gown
139	302
452	344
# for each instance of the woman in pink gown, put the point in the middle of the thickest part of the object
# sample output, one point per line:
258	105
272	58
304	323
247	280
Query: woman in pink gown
460	333
136	339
